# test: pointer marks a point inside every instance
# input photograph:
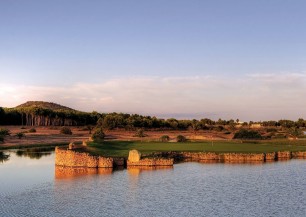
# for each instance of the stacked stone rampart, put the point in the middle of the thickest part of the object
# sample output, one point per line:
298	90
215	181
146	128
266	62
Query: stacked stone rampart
70	158
237	157
151	162
283	155
135	160
201	155
271	156
241	157
299	154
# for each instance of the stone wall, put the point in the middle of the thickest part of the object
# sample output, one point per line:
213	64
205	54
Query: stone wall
271	156
135	160
284	155
227	157
235	157
72	158
241	157
299	154
151	162
201	155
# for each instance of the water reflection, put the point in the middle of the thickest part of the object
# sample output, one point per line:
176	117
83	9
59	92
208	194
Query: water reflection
35	153
225	162
75	172
136	170
4	157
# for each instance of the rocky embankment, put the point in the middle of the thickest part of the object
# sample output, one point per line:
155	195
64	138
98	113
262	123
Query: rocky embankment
234	157
73	158
136	160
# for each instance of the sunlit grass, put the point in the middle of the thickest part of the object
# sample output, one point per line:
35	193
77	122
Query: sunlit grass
121	148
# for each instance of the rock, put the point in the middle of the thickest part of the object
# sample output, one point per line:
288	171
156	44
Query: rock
84	143
134	156
71	146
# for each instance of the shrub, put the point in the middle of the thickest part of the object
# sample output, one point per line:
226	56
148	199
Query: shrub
98	134
219	128
247	134
4	132
140	133
32	130
164	138
1	138
296	132
66	131
20	135
271	130
181	138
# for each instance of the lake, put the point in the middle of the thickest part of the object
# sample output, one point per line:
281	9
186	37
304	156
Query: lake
30	185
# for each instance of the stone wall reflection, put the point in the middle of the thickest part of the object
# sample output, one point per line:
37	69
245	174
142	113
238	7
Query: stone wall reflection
75	172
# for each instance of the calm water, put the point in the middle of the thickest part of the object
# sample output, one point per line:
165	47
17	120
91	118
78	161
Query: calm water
30	185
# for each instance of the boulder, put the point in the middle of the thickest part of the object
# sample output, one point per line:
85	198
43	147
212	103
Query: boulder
134	156
71	146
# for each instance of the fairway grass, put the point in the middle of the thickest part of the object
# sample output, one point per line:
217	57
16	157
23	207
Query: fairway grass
121	148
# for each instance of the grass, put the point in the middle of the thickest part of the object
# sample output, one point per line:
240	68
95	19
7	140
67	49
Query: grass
121	148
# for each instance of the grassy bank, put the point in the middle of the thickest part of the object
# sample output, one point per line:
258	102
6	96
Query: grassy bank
33	146
121	148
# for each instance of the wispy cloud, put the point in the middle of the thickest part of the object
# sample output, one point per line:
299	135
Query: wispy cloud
256	96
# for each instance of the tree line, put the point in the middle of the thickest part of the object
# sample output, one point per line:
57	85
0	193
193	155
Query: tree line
36	116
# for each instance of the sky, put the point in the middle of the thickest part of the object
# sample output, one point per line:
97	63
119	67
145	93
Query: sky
175	58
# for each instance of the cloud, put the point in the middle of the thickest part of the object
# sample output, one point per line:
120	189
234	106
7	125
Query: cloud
256	96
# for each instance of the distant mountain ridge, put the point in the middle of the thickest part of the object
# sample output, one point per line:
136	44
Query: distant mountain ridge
46	105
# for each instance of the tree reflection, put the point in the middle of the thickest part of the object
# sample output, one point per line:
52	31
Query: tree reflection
34	153
4	157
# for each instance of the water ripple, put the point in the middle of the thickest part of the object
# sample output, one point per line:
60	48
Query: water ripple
189	189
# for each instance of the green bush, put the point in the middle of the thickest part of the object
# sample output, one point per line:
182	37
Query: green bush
98	134
271	130
66	131
20	135
164	138
247	134
296	132
32	130
140	133
181	138
219	128
4	132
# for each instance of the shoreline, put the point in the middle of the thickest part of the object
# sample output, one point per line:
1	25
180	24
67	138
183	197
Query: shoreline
76	157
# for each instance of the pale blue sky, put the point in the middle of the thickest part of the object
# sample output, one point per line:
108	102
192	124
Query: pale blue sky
54	45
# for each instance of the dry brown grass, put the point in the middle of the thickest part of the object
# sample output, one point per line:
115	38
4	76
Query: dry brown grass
52	135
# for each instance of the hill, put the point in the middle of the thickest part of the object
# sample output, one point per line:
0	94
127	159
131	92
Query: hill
45	105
